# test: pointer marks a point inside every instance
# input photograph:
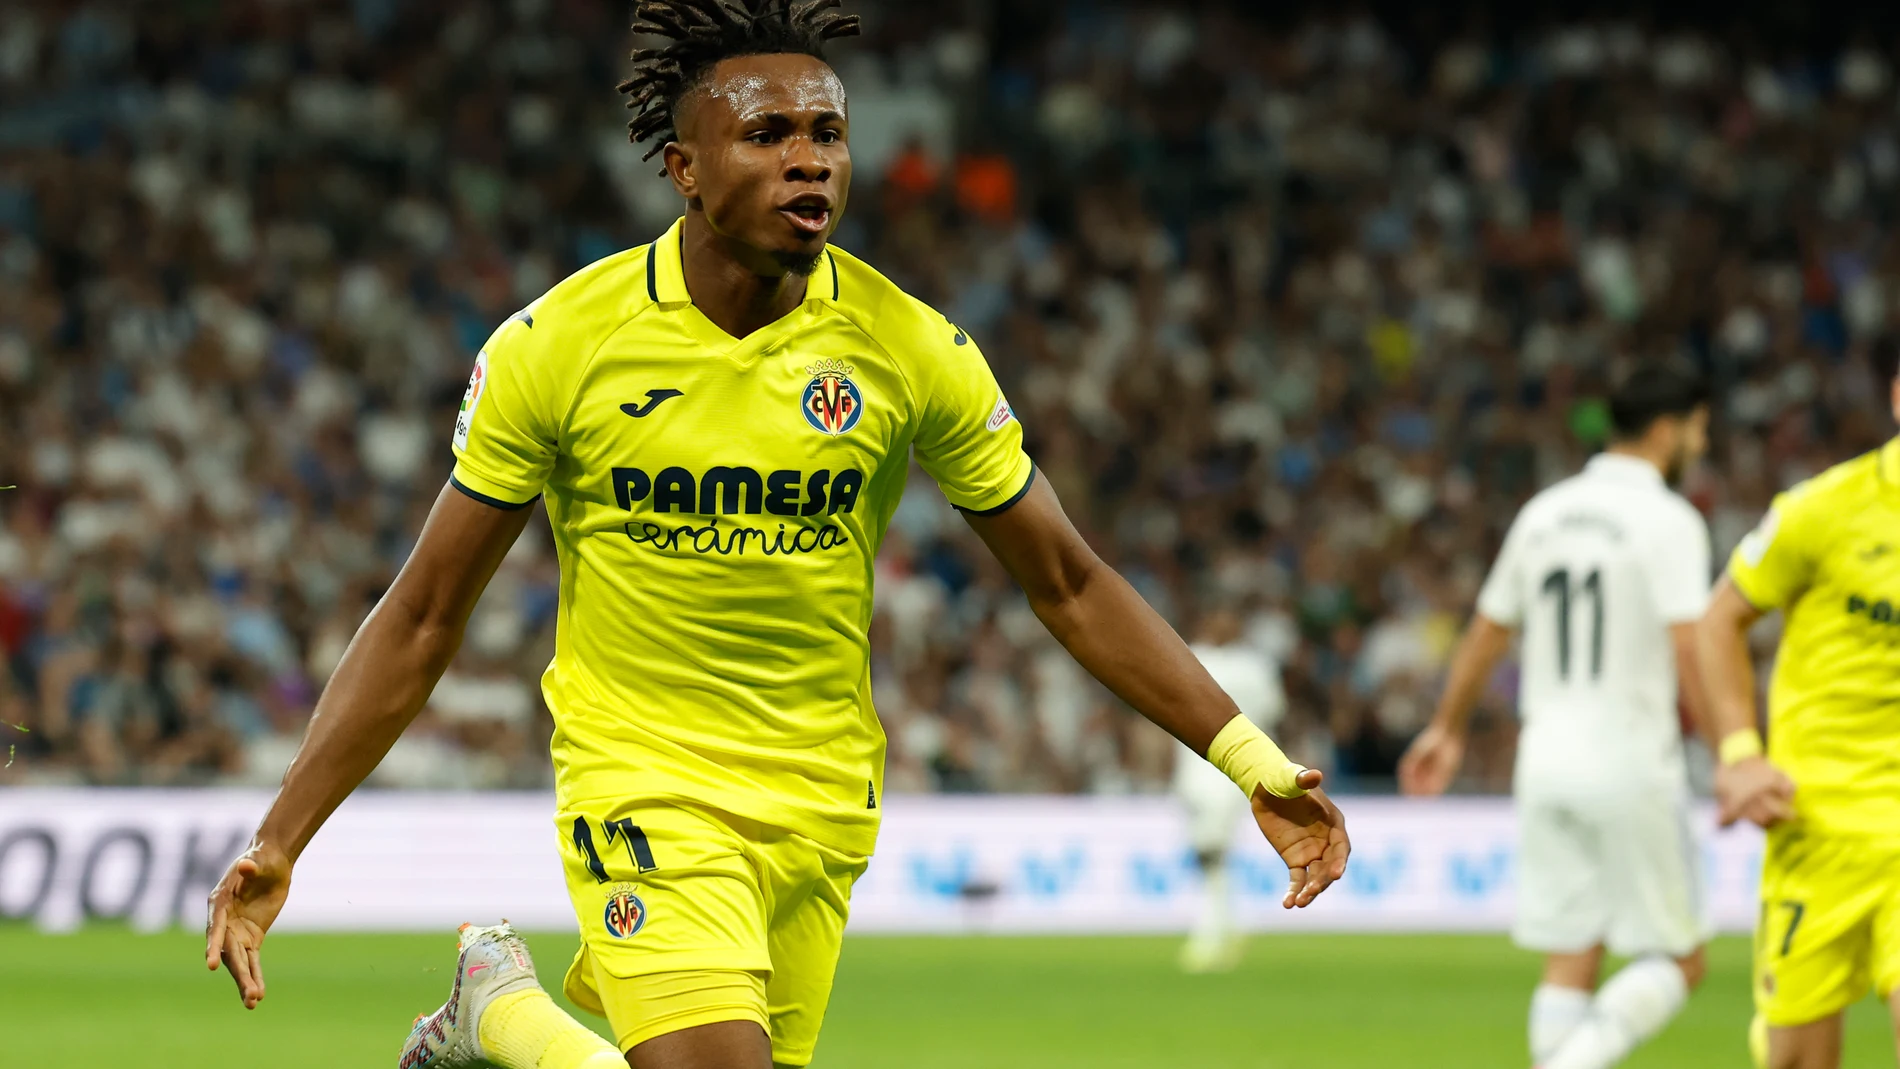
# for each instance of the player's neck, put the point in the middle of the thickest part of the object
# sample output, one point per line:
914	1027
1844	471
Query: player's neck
1635	451
737	287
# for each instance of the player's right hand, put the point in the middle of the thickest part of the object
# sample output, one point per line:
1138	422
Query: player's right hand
1431	762
1309	833
1753	789
241	909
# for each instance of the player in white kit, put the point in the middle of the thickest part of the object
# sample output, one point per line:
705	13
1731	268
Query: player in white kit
1214	809
1605	575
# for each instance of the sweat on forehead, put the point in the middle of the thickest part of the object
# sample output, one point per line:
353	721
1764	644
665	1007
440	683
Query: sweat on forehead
743	86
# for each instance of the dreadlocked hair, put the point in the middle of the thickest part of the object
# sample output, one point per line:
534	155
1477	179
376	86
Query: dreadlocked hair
703	32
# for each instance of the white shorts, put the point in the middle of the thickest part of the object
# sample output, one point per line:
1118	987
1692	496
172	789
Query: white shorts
1215	807
1622	871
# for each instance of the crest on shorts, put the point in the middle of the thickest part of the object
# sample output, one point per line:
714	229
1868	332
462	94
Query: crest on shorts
625	914
832	403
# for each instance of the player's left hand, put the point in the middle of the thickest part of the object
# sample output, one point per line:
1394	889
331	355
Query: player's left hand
1310	834
240	911
1753	789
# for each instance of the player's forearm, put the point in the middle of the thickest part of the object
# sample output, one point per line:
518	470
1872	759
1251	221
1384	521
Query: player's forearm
1121	641
392	665
1479	650
382	682
1728	672
1692	684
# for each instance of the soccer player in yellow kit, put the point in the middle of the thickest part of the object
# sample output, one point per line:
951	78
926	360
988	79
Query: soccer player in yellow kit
1827	555
721	424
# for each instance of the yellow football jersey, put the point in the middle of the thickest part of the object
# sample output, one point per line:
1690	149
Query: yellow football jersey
1828	555
717	504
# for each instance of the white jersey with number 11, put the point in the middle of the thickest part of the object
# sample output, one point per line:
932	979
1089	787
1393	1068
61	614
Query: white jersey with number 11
1593	573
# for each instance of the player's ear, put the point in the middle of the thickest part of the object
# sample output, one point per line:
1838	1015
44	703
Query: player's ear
678	161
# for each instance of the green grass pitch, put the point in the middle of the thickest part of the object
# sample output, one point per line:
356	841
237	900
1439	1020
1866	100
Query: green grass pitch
107	998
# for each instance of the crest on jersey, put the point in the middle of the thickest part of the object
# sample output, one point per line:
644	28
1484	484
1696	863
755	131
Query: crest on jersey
471	399
832	403
625	914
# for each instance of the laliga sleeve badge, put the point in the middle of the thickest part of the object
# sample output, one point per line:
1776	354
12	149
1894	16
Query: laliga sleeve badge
832	403
471	399
1000	416
625	914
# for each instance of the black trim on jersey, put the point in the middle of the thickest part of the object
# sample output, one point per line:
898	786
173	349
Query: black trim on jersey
834	273
1005	506
653	285
1763	609
492	502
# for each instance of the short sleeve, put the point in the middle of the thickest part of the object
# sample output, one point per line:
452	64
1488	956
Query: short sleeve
1775	562
1679	568
969	439
505	432
1502	598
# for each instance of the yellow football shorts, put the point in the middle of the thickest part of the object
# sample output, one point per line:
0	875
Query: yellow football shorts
1829	927
691	916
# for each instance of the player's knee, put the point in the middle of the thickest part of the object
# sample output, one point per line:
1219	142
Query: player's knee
1694	967
1579	970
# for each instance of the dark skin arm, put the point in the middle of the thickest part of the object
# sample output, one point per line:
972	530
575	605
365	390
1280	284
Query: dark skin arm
1123	642
1751	789
382	682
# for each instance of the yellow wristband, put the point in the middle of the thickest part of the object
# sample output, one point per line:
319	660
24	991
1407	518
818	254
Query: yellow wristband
1251	760
1740	746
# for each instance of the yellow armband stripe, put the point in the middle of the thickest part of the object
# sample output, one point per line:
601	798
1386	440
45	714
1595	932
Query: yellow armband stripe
1251	759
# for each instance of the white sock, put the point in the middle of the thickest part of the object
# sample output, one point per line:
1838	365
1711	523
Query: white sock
1215	924
1555	1013
1633	1006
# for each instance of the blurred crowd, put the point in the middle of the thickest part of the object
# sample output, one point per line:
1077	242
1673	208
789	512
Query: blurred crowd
1294	317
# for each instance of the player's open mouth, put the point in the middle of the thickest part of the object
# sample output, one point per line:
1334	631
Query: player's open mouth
808	212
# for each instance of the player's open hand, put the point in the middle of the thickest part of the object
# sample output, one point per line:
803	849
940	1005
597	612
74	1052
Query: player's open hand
1310	834
241	910
1431	762
1753	789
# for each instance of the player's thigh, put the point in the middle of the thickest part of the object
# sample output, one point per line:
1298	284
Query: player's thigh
1561	899
1893	1011
688	1041
1885	951
1814	936
1653	865
1815	1045
659	889
810	887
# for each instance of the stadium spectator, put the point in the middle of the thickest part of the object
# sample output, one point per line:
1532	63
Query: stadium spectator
1295	317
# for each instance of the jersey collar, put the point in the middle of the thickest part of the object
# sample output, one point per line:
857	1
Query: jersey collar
1889	464
1624	467
666	272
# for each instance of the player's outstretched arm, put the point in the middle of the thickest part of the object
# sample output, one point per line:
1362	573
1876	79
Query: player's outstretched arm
1431	762
1123	642
1747	786
382	682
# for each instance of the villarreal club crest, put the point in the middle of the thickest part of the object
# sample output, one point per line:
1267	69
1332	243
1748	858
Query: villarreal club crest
625	914
833	404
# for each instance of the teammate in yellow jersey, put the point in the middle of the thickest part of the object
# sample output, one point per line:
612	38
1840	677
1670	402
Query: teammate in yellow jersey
1827	555
720	424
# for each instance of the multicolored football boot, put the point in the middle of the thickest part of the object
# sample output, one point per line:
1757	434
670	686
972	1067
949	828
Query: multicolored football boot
494	962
